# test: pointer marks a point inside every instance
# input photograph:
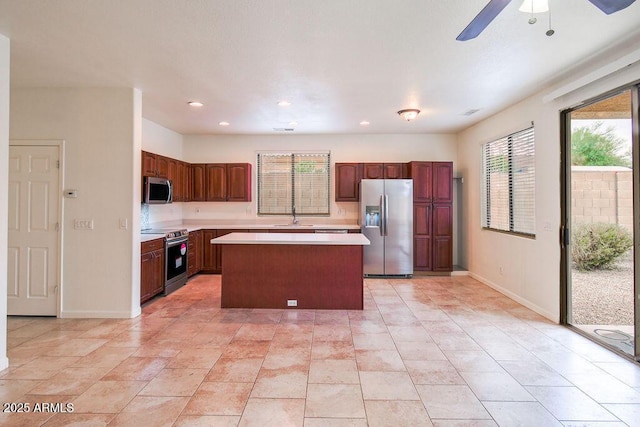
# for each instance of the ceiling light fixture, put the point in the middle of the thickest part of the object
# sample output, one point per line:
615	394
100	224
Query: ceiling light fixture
224	123
409	114
283	103
534	6
364	123
195	104
293	124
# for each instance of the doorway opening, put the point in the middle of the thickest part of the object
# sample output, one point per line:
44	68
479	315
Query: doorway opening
600	207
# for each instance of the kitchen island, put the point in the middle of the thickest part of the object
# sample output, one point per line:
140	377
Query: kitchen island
292	270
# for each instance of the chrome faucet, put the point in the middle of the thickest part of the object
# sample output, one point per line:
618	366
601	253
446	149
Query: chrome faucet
295	219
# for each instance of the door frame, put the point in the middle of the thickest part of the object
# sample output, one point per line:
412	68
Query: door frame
60	144
565	210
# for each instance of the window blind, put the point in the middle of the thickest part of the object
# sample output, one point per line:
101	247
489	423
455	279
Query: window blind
508	183
293	180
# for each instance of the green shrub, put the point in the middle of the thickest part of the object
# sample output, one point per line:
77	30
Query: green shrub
599	245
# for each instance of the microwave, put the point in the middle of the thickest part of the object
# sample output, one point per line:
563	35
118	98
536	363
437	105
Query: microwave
157	191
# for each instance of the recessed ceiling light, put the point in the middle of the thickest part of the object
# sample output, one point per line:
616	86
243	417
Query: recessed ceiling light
364	123
196	104
293	123
284	103
224	123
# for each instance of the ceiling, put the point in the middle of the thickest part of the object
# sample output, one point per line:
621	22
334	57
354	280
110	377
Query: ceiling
338	62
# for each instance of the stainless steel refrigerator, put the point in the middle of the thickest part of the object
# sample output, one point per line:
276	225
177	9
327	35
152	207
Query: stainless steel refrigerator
386	219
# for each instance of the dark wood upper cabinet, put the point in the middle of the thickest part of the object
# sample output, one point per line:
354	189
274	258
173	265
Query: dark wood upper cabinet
238	182
442	182
148	164
155	165
162	166
216	184
347	182
176	180
228	182
200	182
422	173
395	171
198	175
373	171
384	171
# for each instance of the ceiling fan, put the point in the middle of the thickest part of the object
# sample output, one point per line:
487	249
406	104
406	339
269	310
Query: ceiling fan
494	7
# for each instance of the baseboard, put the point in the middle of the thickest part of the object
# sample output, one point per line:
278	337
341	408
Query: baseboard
71	314
459	273
517	298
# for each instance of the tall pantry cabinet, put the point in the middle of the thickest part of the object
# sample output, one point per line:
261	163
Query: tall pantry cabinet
432	215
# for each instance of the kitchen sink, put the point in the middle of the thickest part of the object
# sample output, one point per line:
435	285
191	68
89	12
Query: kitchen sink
293	225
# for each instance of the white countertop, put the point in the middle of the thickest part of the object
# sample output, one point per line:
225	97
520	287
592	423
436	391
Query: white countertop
280	225
147	237
291	239
276	225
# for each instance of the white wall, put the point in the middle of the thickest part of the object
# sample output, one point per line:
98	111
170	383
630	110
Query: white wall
160	140
344	148
4	184
530	267
102	133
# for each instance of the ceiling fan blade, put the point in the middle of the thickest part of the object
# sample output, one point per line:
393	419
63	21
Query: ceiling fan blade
611	6
484	18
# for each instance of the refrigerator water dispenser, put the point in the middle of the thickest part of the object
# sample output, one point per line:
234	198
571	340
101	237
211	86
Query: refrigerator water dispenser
372	217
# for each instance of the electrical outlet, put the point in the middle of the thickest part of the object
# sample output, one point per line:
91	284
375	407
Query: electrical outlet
197	210
501	272
292	303
123	223
83	224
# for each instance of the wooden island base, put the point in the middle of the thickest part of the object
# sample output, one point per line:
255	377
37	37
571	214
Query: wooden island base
316	276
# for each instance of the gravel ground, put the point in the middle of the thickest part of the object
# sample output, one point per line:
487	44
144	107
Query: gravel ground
604	297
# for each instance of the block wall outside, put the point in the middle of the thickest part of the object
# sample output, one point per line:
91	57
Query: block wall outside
602	196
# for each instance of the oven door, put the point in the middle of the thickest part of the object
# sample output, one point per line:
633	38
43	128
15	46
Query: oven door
176	260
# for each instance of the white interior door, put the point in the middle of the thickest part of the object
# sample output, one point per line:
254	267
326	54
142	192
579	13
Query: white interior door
33	230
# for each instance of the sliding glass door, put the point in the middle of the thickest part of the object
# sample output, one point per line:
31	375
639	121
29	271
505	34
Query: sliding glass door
600	220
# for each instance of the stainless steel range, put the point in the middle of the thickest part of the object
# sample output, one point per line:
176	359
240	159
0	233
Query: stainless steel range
175	256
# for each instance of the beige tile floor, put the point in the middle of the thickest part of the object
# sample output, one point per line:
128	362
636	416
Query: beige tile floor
425	351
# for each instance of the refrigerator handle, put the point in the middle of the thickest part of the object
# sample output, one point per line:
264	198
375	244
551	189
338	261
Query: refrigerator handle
386	214
382	215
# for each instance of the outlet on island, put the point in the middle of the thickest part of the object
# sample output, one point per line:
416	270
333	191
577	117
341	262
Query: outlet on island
292	303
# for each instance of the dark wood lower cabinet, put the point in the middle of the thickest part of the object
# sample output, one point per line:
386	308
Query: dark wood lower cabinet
422	254
208	252
317	277
212	254
432	237
441	230
151	269
203	257
194	256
